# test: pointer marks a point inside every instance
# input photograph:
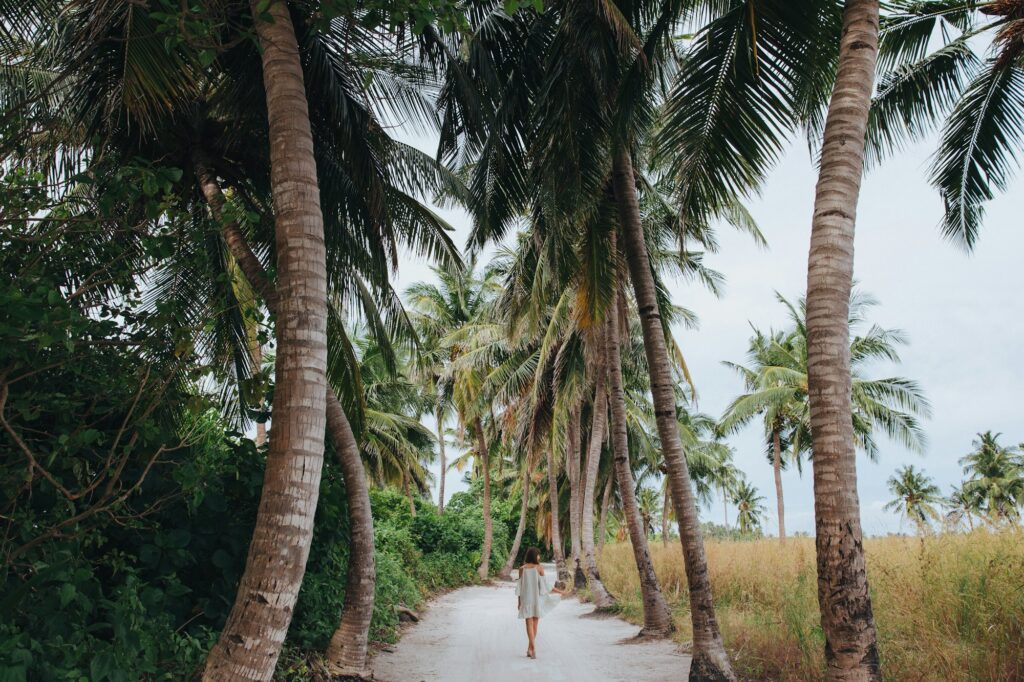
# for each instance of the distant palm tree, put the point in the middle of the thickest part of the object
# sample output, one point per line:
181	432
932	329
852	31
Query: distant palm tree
776	381
916	496
749	506
960	507
996	483
648	502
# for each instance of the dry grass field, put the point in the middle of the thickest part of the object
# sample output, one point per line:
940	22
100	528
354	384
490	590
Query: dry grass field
948	607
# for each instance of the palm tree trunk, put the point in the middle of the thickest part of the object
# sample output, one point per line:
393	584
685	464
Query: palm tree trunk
348	646
408	493
556	530
444	463
657	617
725	506
777	466
602	526
346	652
572	468
485	551
506	571
257	361
710	660
598	593
851	649
251	641
665	511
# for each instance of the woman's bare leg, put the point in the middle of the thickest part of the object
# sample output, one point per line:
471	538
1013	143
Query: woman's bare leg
529	636
532	624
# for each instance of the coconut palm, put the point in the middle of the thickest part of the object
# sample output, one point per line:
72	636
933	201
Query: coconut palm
437	310
456	308
780	402
916	496
959	66
252	638
960	507
995	485
846	618
776	381
749	507
657	617
648	502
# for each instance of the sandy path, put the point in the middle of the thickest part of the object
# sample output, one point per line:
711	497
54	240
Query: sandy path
473	635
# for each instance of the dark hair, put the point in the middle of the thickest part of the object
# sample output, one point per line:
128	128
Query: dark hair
532	556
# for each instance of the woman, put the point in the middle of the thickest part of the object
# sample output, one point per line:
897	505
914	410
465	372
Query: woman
534	594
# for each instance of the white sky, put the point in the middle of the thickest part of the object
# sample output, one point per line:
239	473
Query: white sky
963	315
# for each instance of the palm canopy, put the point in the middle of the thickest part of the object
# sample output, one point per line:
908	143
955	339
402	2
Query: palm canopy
749	505
122	87
776	383
996	483
520	108
957	65
915	496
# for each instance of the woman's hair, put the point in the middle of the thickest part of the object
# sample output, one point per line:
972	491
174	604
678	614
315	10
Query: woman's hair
532	556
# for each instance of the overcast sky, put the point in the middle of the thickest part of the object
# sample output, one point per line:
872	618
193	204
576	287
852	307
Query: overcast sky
963	315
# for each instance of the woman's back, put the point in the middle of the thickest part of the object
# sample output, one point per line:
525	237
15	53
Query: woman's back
532	590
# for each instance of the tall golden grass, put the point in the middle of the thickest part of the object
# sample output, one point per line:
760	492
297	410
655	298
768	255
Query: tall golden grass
947	607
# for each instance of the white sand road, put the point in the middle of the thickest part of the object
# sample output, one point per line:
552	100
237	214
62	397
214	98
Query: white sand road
473	635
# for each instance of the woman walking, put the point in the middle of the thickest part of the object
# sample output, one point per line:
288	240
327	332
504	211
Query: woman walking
534	594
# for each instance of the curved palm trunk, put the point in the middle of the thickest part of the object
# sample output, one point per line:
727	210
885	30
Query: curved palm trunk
485	551
251	641
598	593
777	466
725	506
602	526
710	661
666	509
346	652
556	530
657	617
506	571
572	469
347	649
257	361
444	464
851	649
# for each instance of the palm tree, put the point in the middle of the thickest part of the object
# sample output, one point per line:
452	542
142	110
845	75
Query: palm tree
437	311
749	507
934	74
916	496
251	640
960	506
996	483
524	506
648	501
657	616
780	402
850	638
776	381
450	312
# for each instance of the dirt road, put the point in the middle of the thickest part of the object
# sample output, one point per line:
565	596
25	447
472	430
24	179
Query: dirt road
473	635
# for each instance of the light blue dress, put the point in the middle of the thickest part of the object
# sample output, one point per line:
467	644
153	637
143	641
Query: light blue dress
534	592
